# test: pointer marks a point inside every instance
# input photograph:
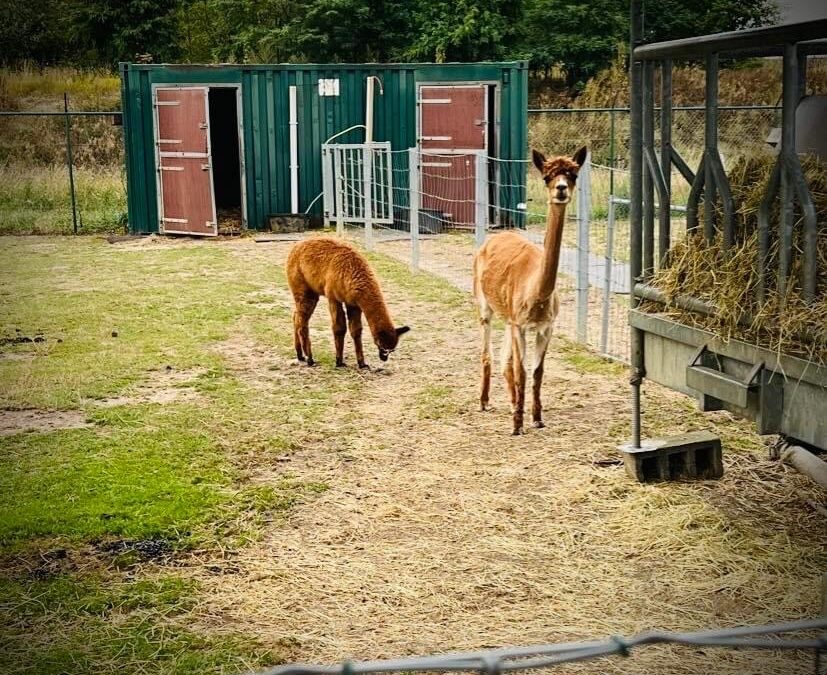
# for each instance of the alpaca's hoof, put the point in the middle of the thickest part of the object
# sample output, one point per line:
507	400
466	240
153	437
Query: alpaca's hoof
364	366
300	357
310	362
483	407
340	363
518	431
538	424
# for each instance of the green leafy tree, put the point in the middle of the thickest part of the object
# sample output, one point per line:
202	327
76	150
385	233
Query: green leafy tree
583	35
107	31
463	30
33	31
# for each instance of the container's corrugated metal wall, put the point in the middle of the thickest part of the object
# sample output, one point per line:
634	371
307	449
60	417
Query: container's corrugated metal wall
265	111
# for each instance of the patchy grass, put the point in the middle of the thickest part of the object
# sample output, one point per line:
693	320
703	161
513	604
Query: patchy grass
96	624
584	361
435	402
107	325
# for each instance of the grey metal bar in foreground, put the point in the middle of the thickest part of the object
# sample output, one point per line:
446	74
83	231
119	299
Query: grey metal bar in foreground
542	656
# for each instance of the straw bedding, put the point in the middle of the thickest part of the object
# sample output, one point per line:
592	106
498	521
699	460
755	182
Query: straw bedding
440	531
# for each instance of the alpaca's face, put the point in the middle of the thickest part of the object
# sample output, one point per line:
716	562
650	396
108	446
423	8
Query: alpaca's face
559	174
386	341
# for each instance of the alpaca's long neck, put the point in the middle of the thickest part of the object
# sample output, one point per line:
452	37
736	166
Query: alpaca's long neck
547	280
376	313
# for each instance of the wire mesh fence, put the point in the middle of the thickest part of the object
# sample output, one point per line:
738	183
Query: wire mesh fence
61	172
72	179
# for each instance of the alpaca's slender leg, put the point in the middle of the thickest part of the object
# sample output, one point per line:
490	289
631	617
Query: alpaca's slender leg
354	320
301	319
540	347
507	365
519	358
485	325
337	320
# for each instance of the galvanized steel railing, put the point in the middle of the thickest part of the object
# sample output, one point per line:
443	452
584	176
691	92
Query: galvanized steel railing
496	661
650	172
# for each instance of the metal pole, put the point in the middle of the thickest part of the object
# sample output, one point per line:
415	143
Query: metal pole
608	276
69	161
648	86
665	221
790	101
582	271
612	152
481	198
635	210
413	188
711	144
367	189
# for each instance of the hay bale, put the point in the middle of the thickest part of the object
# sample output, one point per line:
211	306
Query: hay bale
728	279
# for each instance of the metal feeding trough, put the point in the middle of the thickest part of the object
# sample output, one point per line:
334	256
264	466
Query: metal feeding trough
781	393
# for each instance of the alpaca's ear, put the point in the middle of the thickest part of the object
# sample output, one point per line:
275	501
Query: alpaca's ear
402	330
539	159
580	156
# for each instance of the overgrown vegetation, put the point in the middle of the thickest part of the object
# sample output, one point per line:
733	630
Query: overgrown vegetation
579	37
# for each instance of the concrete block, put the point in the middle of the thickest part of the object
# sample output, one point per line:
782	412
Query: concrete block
693	456
281	223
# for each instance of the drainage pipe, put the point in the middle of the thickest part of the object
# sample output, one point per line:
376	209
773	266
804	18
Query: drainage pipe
807	463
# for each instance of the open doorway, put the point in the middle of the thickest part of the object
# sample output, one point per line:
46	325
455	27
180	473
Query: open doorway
226	159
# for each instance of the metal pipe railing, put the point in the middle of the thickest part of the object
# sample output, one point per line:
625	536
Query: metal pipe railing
736	41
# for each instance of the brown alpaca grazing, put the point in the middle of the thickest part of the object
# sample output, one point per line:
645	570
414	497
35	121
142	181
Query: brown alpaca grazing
334	269
516	280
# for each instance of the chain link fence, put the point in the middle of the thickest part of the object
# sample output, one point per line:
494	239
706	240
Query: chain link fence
61	172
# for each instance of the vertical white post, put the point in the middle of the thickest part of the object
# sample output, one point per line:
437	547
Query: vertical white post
413	199
367	190
608	276
369	110
294	152
328	198
582	272
480	198
338	191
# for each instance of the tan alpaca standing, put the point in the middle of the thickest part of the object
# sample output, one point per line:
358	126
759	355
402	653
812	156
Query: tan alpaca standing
334	269
516	281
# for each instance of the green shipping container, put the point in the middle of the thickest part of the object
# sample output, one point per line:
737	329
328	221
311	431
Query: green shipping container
198	135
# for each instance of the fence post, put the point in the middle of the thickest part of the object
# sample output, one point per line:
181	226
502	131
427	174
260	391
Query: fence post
413	212
480	198
582	271
338	191
608	277
367	187
69	160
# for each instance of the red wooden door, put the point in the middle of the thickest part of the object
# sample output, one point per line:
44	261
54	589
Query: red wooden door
186	199
453	127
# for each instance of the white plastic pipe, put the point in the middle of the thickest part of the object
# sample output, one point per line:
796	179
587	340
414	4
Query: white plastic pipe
807	463
294	152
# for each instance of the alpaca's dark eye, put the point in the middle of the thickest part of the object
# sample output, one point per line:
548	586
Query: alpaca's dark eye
547	179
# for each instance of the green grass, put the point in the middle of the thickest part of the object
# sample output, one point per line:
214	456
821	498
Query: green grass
586	362
36	200
67	625
177	473
435	402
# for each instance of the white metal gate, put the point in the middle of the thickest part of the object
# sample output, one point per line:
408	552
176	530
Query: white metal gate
357	184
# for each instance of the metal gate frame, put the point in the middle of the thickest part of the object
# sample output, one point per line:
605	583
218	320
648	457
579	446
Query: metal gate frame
336	181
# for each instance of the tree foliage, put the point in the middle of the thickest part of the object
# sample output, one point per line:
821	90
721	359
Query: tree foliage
579	36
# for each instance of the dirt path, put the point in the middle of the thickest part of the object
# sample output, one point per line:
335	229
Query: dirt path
440	531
